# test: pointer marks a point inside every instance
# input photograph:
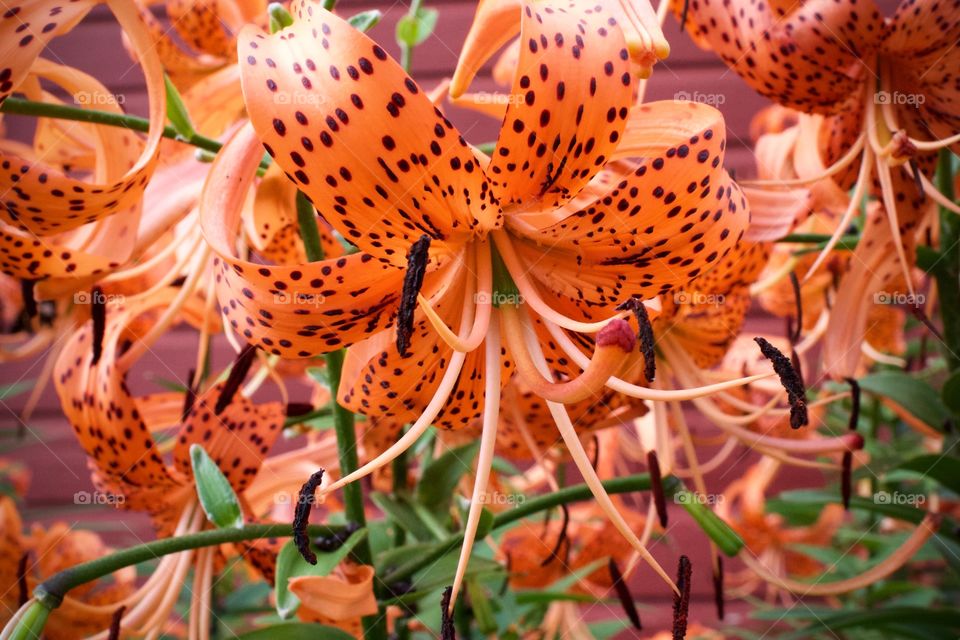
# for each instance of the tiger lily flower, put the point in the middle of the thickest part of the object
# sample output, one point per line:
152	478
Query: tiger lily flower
47	551
116	429
409	191
880	98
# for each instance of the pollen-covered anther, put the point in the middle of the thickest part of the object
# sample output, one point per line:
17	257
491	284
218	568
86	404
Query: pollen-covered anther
412	282
301	516
899	150
681	601
644	335
791	381
614	343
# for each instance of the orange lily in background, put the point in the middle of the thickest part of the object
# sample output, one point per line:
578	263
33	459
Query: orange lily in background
881	91
48	551
409	190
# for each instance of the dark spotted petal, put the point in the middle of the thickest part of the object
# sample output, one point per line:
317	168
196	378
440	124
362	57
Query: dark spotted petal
666	222
291	310
360	138
567	108
804	55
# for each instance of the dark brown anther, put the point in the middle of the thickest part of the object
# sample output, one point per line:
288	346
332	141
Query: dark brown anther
295	409
846	470
412	281
238	372
718	587
114	633
854	404
791	381
189	397
179	281
681	602
595	461
447	632
656	487
683	19
623	593
29	300
644	335
22	578
798	299
561	539
335	540
98	312
301	516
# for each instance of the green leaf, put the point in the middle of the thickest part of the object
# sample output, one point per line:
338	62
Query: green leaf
482	610
177	111
280	18
216	495
726	539
951	392
413	29
365	20
942	468
440	478
944	623
915	396
402	513
290	564
296	631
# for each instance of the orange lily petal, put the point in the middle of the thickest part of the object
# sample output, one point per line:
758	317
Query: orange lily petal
320	89
807	56
494	24
568	108
293	311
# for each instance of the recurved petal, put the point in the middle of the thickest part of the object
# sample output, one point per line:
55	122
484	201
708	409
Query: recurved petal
291	310
806	55
26	26
494	24
359	137
238	439
665	223
568	105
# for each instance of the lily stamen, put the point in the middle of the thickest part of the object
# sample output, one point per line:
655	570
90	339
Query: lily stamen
681	601
412	282
645	393
98	313
301	515
796	392
644	335
239	371
481	297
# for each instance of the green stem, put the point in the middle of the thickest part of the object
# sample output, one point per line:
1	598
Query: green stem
375	627
406	50
52	590
948	278
19	106
576	493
